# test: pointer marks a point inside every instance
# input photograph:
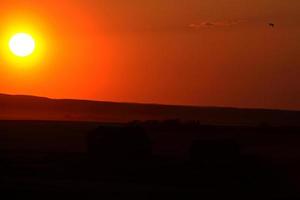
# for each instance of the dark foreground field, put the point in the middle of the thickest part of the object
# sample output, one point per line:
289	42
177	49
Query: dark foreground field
157	160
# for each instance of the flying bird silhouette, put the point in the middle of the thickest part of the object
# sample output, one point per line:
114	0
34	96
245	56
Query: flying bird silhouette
272	25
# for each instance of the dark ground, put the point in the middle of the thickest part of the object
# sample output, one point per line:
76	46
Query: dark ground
170	161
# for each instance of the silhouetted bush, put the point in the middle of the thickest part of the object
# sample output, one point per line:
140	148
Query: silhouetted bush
171	123
119	143
214	151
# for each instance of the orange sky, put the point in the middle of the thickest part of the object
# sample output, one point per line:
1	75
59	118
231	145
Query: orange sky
209	52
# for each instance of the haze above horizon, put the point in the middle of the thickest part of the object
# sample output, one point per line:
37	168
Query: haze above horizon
206	53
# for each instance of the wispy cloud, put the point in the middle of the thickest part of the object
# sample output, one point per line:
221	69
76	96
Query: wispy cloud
208	24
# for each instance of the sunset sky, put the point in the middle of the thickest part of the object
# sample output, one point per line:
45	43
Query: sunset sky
196	52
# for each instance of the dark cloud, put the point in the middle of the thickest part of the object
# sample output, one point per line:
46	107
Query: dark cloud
207	24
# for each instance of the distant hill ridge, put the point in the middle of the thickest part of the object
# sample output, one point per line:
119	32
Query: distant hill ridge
22	107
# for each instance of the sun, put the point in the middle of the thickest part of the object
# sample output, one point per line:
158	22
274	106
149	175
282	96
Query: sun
22	44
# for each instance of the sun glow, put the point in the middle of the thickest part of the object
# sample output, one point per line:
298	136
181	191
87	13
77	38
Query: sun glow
22	44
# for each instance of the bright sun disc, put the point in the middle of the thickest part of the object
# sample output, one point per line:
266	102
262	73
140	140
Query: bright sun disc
22	44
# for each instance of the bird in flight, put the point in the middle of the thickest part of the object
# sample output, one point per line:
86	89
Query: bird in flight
272	25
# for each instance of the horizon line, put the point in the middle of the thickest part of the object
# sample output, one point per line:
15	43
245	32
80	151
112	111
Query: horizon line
154	103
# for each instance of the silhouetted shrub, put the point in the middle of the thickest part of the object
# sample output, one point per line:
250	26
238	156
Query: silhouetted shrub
214	151
119	143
